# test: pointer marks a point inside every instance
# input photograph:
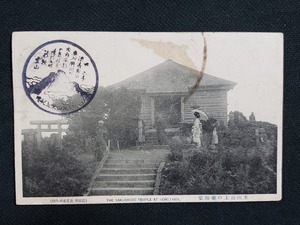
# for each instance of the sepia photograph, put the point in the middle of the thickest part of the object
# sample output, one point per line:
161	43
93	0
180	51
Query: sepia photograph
127	117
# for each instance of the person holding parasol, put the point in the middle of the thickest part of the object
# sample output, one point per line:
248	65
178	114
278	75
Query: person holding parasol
197	127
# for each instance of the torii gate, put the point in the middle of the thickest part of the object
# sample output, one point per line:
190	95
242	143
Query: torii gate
39	129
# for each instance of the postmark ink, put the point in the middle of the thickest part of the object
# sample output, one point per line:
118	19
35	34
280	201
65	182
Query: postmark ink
60	77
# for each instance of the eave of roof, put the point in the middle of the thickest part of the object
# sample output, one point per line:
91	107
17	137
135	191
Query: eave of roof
170	77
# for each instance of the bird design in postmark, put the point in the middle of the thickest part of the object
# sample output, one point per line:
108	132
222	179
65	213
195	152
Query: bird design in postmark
60	77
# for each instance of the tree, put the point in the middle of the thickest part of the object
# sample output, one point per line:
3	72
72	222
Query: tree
119	108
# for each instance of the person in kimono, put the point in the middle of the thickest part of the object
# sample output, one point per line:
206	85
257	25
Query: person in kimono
196	131
141	130
215	139
160	130
101	145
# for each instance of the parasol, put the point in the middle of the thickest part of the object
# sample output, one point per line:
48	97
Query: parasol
203	116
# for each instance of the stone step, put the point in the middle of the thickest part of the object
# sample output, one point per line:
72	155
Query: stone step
128	171
124	165
133	152
151	142
132	162
151	137
155	147
121	184
125	177
122	191
148	134
147	141
137	160
137	157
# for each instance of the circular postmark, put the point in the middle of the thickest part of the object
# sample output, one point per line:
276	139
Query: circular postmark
60	77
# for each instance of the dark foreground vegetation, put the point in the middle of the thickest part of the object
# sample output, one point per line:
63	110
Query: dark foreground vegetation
54	172
239	165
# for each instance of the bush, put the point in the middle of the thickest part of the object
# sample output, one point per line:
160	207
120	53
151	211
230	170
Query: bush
185	129
51	172
243	133
208	126
176	146
174	176
230	171
119	108
237	166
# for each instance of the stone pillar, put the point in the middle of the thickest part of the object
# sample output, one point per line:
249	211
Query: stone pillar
257	136
152	112
39	135
182	109
59	136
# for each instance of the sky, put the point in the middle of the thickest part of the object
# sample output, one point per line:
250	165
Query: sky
253	60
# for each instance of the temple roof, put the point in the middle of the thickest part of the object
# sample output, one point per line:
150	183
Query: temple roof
169	77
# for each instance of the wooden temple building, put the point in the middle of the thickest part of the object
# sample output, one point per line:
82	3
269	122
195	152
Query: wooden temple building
163	88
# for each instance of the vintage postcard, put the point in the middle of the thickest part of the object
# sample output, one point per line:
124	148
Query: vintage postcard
128	117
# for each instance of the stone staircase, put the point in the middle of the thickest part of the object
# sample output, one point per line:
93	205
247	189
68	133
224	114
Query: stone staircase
151	137
151	142
128	172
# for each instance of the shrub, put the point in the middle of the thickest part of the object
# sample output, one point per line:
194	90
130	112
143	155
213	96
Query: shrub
230	171
174	176
51	172
186	129
243	133
239	166
176	146
119	108
208	126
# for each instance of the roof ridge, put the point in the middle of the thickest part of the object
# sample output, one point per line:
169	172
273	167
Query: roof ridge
172	76
136	75
198	71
